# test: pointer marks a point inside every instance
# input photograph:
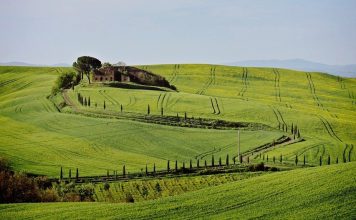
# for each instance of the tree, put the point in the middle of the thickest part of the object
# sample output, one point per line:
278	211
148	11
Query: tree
70	174
148	109
146	170
185	115
154	168
227	160
77	174
248	159
274	159
85	101
219	161
86	64
104	105
190	165
304	160
61	174
212	160
65	81
121	108
328	159
198	163
205	164
161	111
320	161
280	159
296	160
107	64
176	166
89	101
168	168
337	160
124	171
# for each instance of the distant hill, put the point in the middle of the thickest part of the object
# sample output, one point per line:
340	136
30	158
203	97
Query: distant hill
300	64
16	63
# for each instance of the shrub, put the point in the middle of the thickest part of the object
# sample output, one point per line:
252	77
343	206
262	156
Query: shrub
65	81
106	186
129	198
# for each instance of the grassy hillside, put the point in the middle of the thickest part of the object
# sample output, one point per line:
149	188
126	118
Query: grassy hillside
39	139
327	192
321	105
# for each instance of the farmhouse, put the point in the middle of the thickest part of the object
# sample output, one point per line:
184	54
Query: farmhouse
110	73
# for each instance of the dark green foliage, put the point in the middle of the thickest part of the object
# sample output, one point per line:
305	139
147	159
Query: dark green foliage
304	161
77	174
146	170
198	163
205	164
124	171
274	159
70	174
296	160
337	160
162	111
168	168
263	157
129	198
104	105
240	158
320	161
158	188
190	165
106	186
185	115
65	81
85	101
148	109
144	191
89	101
183	165
227	159
176	166
212	160
248	159
154	168
121	108
86	64
220	161
257	167
267	157
234	159
329	160
61	174
280	158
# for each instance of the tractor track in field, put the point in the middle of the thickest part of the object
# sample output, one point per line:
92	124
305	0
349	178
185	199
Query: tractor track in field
104	95
6	82
175	73
215	105
279	117
277	87
352	97
215	150
209	82
244	82
346	155
315	97
328	128
107	96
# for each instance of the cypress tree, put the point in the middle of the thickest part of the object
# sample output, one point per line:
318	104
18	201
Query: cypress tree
85	101
328	159
298	135
263	157
185	115
77	174
296	160
161	111
121	108
146	170
154	168
183	165
337	160
234	159
205	164
352	146
280	159
240	158
248	159
304	160
190	165
70	174
198	164
219	161
168	168
124	171
292	129
320	161
89	101
267	157
61	174
212	160
176	166
274	159
104	105
227	159
148	109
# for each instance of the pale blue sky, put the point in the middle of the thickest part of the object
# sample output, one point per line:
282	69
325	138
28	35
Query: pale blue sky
177	31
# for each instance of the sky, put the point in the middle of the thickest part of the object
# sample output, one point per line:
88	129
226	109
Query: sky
177	31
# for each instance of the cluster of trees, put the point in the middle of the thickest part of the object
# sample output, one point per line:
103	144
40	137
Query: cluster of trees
83	100
85	65
65	81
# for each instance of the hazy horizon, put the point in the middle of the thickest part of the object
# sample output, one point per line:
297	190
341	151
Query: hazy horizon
203	31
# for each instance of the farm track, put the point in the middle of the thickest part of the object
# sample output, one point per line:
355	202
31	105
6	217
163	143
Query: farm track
279	117
6	82
329	128
244	81
215	150
175	73
215	105
108	97
276	85
207	84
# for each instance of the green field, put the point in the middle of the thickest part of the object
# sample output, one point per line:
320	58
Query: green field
327	192
39	135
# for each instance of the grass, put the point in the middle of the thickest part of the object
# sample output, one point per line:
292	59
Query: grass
38	139
327	192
